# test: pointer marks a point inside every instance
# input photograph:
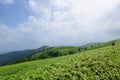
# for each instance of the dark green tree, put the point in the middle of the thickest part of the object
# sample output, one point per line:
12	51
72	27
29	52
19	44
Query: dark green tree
53	54
71	52
85	48
79	49
113	43
92	46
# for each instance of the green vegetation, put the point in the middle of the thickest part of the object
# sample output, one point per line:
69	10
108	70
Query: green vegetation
52	52
110	43
49	52
97	64
11	57
91	45
113	43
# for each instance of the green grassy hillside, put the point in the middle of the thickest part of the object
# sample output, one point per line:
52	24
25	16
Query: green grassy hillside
97	64
52	52
11	57
91	45
49	52
56	51
109	43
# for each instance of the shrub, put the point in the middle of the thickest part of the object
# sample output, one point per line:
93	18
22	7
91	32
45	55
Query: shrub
113	43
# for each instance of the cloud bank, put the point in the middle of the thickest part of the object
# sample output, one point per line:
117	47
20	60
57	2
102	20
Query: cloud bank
64	22
7	1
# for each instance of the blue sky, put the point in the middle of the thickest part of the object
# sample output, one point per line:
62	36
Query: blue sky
14	14
27	24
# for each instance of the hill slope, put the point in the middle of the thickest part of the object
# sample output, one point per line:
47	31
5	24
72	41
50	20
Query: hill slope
13	56
48	52
16	55
52	52
90	46
109	43
102	63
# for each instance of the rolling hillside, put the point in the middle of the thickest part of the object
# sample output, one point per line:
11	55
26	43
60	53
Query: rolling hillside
52	52
89	45
109	43
16	55
49	52
98	64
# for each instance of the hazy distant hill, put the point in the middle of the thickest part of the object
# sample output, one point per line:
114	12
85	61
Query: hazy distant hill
64	50
51	52
13	56
100	44
89	45
48	52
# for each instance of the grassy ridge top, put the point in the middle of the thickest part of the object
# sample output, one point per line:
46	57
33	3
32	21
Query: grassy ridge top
102	63
51	52
65	50
60	51
105	44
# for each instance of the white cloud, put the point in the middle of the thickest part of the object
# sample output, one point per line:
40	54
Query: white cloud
83	17
7	1
61	3
66	22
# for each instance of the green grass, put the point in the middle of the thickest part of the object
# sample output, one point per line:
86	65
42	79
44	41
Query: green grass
98	64
61	51
52	52
105	44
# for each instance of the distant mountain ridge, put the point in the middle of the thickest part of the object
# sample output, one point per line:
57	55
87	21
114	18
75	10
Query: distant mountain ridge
15	55
12	56
48	52
51	52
